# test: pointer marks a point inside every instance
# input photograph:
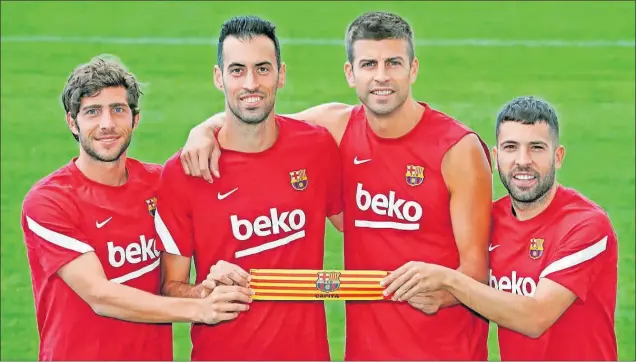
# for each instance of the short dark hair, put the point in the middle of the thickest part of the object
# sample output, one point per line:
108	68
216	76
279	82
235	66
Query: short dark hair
101	72
529	110
245	27
378	26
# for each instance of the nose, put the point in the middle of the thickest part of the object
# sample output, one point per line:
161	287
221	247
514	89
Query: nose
106	121
250	82
381	75
523	157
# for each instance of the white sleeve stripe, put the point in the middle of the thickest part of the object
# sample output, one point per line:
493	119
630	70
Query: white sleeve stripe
137	273
576	258
164	234
58	239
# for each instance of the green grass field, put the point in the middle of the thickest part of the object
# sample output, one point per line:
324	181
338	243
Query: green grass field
590	83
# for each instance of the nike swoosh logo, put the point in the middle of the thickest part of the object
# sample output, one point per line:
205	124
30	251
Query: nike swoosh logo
359	162
100	224
222	196
491	247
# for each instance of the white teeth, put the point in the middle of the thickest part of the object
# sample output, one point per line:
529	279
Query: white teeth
383	92
251	99
524	177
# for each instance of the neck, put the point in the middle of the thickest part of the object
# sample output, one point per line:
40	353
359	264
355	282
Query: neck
399	122
239	136
527	210
106	173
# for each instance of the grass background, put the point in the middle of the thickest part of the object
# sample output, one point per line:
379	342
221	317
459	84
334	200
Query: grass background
592	88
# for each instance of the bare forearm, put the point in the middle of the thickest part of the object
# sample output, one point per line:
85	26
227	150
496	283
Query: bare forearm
131	304
449	300
508	310
183	290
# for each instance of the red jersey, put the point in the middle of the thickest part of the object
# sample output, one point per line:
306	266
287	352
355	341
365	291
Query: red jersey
396	210
268	210
66	215
572	243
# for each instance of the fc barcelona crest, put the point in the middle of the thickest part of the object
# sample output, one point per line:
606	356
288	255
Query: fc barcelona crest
299	179
328	282
536	248
152	205
414	175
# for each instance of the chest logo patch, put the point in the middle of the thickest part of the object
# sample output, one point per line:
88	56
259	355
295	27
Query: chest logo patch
536	248
299	179
414	175
152	205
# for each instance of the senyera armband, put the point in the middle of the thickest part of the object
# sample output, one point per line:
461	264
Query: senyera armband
303	284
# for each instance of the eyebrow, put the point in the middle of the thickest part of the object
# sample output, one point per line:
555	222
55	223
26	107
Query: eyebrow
267	62
391	59
541	143
532	143
99	106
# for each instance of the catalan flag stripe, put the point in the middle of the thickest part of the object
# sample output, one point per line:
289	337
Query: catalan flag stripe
313	278
307	284
313	272
310	275
302	297
313	286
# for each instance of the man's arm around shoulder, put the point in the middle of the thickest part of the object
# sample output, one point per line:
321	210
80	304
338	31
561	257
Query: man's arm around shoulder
200	155
333	116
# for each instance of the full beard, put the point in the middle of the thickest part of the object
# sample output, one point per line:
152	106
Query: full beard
525	199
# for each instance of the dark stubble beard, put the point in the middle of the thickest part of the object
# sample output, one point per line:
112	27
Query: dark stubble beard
252	118
525	199
96	156
382	109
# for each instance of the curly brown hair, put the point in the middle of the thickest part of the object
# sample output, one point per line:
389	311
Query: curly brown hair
89	79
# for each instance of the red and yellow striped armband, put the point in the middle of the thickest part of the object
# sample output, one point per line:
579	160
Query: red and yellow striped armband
299	284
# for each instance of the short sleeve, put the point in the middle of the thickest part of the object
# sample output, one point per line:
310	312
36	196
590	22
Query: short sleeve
50	231
173	217
582	255
334	172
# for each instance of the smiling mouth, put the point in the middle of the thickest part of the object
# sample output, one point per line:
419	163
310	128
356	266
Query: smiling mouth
251	100
107	139
524	180
524	177
382	92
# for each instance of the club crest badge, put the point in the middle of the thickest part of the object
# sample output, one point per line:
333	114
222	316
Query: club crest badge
152	205
299	179
414	175
328	282
536	248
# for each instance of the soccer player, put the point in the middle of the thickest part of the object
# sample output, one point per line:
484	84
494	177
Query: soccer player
417	186
90	237
553	254
282	181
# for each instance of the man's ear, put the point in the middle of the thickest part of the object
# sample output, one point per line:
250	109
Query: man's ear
72	124
348	70
218	78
